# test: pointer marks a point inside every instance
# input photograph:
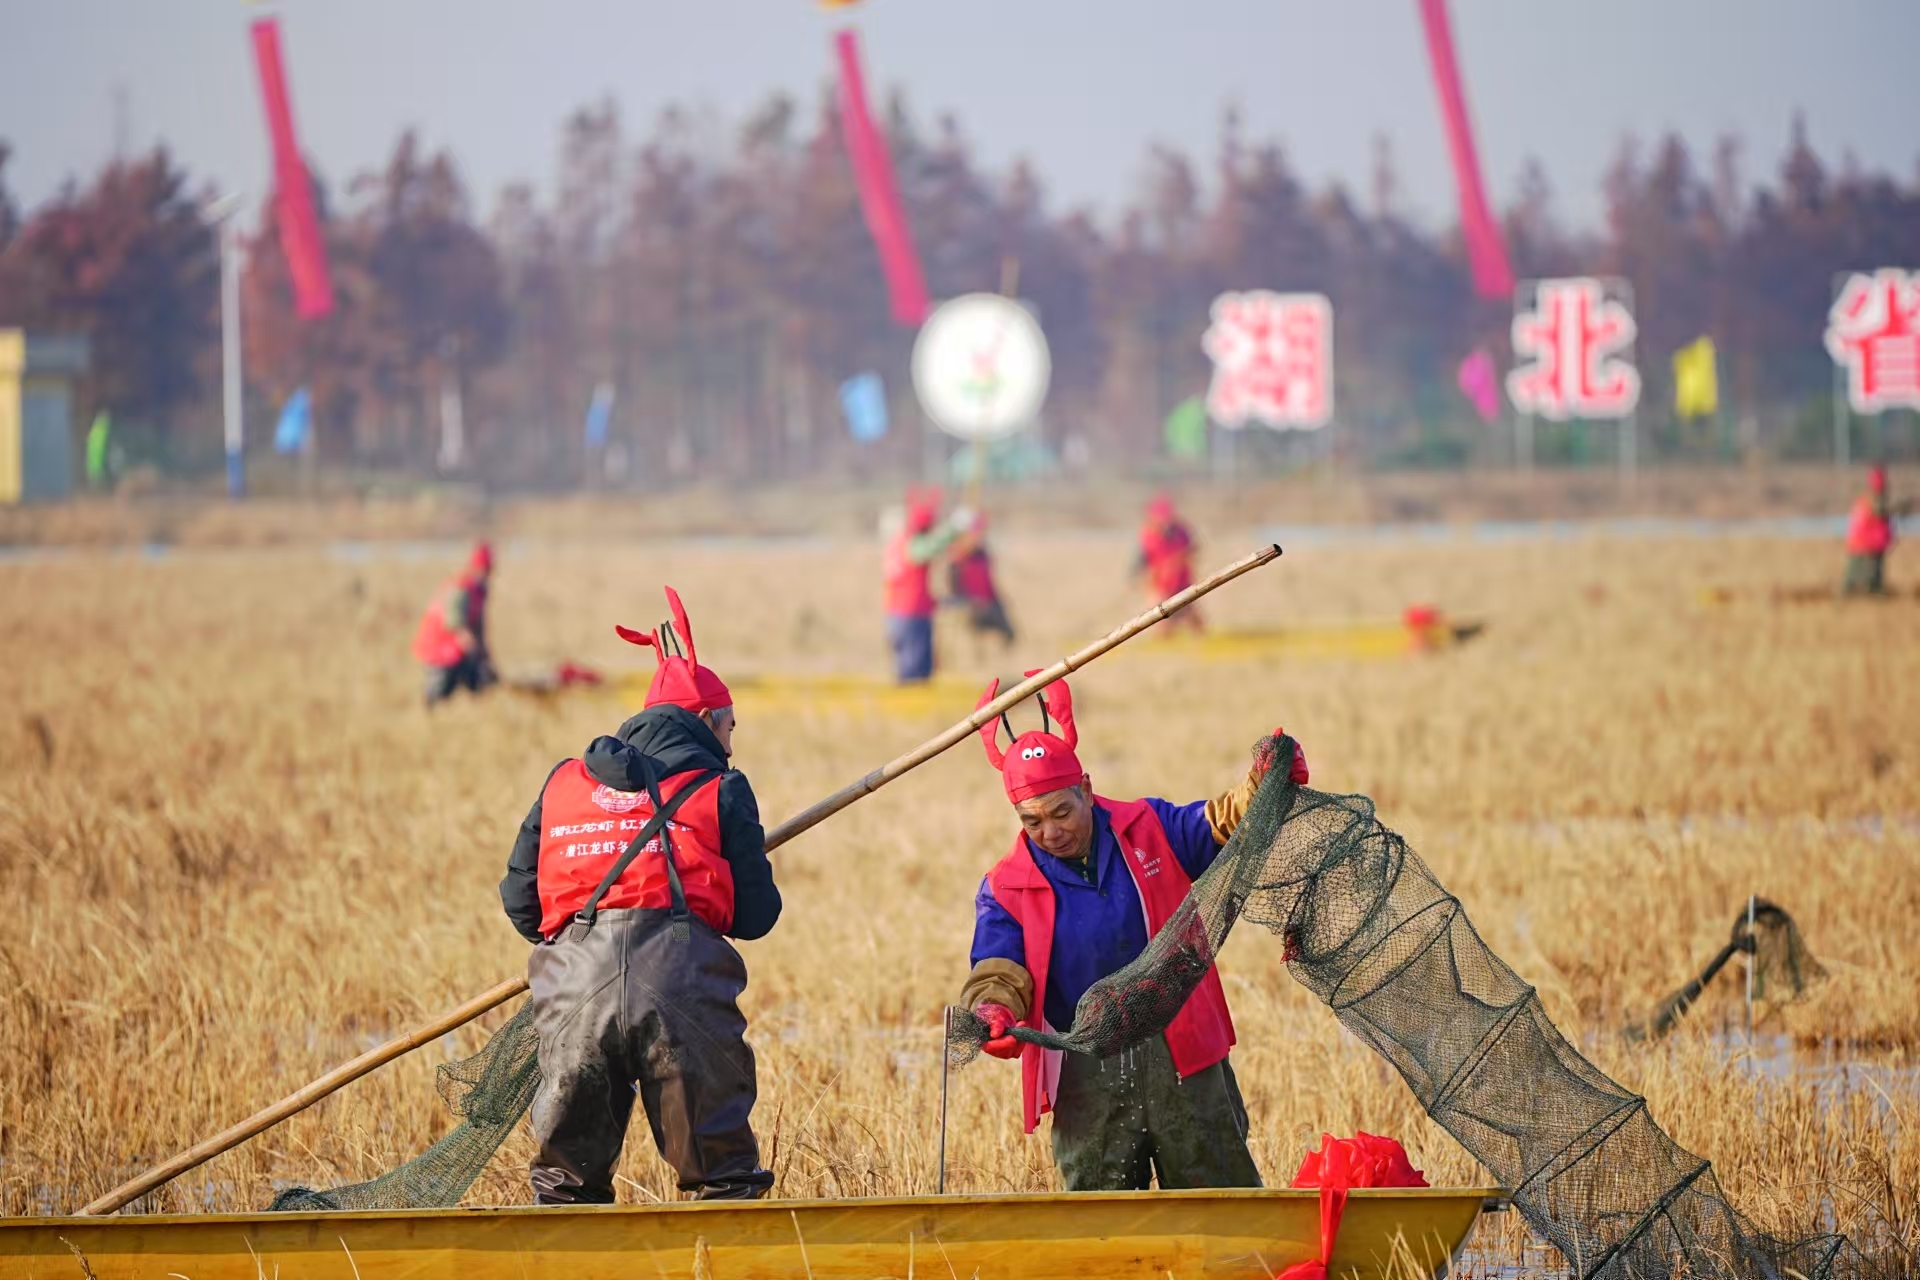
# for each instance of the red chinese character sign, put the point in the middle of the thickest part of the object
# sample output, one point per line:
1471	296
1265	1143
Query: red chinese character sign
1579	336
1873	332
1272	359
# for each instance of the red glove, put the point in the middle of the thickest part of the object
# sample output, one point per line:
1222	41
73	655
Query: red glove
1264	761
999	1020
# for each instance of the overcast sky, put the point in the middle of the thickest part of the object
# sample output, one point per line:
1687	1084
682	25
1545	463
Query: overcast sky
1082	87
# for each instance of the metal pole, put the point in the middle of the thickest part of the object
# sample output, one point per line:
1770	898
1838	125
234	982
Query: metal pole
1523	295
946	1038
1842	416
453	446
1842	419
1630	427
232	403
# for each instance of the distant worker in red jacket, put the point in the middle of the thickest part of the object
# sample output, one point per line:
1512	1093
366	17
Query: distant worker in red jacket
1087	883
451	640
1166	557
970	574
639	860
910	605
1869	538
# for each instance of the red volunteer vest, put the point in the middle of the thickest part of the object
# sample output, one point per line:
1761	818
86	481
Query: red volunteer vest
586	825
1869	530
1168	551
434	642
1200	1034
973	578
909	591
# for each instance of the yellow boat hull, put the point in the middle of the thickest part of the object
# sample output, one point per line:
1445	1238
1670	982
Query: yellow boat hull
1363	640
1385	1235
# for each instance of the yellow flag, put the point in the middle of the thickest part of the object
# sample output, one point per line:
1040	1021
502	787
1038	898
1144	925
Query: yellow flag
1696	380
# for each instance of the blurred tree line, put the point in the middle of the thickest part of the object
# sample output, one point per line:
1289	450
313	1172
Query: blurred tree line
717	276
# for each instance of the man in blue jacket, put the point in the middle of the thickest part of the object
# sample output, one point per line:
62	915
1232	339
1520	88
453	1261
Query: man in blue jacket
1086	884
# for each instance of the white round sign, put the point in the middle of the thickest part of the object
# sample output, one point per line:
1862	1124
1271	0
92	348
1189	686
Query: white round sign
980	366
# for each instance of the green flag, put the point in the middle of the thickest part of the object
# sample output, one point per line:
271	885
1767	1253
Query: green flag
1187	429
97	448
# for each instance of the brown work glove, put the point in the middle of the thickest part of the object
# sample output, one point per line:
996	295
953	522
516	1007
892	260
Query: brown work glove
1000	982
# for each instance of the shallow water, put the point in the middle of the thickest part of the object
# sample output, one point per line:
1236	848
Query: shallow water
1627	528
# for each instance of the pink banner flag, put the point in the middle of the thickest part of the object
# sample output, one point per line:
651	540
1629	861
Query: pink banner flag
300	238
1480	384
879	194
1492	277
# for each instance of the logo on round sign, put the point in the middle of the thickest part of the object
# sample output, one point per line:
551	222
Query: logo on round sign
617	801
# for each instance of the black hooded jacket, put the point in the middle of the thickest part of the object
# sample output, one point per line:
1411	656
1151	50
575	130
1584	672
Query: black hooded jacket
677	741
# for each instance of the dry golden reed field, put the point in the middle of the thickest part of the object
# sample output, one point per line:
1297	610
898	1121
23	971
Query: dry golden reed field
235	851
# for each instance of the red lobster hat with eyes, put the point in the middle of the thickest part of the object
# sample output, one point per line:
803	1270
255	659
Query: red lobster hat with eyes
1039	760
680	680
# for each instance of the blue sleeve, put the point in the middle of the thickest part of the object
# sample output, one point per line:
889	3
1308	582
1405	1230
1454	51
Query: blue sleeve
1189	832
996	935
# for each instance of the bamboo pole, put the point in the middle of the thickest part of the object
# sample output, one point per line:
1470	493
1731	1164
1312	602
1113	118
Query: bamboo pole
807	818
1013	697
294	1103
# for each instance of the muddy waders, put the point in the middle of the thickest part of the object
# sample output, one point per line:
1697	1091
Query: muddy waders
642	1002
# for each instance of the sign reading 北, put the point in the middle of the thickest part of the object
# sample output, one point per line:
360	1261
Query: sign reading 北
1579	336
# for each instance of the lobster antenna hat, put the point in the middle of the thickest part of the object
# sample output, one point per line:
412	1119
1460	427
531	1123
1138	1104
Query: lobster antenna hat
1039	760
923	509
679	680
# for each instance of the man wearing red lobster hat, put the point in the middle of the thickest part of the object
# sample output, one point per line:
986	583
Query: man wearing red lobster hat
636	864
451	640
1870	531
907	566
1088	881
1165	558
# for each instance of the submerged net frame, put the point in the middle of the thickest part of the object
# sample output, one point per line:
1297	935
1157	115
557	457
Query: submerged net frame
489	1092
1370	931
1780	967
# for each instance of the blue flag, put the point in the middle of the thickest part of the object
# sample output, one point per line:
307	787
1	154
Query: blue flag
296	423
863	398
600	415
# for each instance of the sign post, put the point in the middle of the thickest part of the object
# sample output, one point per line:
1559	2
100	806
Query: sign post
219	214
1579	334
1873	335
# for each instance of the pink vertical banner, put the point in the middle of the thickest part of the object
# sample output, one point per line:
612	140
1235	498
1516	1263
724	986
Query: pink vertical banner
1492	276
879	194
300	238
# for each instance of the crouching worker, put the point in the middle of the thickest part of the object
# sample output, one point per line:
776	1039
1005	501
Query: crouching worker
451	640
1087	883
637	863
